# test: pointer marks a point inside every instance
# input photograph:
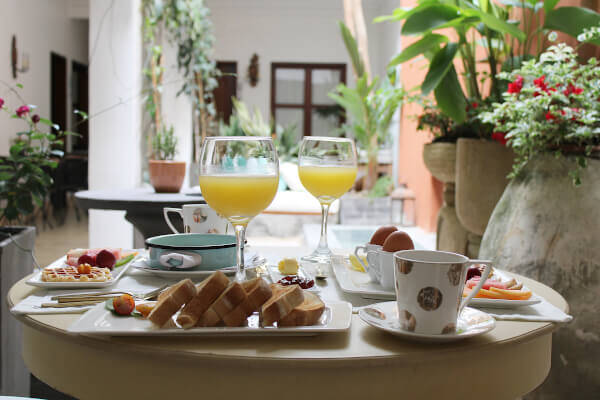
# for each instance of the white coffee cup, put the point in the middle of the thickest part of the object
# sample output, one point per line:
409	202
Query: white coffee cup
381	267
366	249
429	287
197	218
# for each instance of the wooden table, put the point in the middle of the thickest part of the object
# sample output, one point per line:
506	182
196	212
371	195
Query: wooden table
143	207
364	363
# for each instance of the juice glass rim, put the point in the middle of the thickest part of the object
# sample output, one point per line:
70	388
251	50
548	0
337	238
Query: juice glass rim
246	138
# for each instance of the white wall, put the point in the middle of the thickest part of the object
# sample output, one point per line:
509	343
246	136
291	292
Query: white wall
115	112
290	31
41	27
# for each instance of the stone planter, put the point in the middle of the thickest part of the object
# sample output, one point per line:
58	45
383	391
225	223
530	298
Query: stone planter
481	170
545	228
358	209
440	160
15	264
166	176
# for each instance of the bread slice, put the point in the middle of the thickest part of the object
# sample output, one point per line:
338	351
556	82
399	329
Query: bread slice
257	293
169	304
283	301
208	291
209	318
229	299
307	313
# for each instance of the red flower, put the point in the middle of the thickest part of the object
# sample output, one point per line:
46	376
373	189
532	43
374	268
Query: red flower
572	89
35	118
474	104
540	82
21	111
500	137
550	116
1	102
516	86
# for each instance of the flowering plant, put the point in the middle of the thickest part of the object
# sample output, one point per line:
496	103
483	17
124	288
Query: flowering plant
551	106
25	173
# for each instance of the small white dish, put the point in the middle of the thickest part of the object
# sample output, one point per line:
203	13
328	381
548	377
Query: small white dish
275	276
384	316
142	265
117	272
356	282
99	321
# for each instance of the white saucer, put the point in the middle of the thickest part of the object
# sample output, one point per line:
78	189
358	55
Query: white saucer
384	316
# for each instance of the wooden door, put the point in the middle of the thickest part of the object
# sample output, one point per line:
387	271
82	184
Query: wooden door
226	90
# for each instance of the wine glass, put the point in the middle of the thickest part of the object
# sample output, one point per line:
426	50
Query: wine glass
327	169
239	176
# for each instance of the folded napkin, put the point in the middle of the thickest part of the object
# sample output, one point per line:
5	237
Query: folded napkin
541	312
32	304
180	260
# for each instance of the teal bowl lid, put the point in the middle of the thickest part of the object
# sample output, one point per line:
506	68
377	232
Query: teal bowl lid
191	241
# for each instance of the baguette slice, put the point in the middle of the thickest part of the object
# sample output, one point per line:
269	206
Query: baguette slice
283	301
209	318
229	299
208	291
307	313
169	304
257	293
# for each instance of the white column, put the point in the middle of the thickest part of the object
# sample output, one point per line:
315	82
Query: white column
115	112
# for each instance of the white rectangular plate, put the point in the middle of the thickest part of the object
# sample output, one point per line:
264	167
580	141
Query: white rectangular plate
352	281
99	321
117	272
500	303
275	276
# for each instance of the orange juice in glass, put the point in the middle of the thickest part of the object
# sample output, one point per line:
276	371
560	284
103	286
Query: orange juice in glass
239	176
327	168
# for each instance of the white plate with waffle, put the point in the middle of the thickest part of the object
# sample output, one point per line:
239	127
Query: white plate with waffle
99	321
98	278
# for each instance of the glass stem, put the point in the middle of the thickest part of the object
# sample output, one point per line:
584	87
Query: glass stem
240	236
323	240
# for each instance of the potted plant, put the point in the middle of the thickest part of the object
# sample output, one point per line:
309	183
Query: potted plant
25	182
546	223
478	27
166	175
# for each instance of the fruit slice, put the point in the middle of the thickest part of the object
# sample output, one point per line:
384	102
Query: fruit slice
512	294
355	264
124	304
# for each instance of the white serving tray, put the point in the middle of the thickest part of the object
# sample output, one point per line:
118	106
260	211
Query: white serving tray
117	272
100	321
356	282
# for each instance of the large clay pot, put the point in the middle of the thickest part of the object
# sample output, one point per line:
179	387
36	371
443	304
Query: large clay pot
545	228
481	170
166	176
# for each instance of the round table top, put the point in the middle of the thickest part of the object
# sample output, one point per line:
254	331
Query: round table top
132	199
361	347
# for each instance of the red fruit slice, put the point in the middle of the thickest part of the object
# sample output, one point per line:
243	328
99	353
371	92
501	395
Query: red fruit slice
87	259
471	283
106	259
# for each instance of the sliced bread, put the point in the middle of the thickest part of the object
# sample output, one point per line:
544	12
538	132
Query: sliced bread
169	304
229	299
283	301
207	293
209	318
257	293
307	313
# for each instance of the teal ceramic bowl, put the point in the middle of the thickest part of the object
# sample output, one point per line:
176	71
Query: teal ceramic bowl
209	251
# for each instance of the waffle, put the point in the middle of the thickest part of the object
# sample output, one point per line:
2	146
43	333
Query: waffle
70	274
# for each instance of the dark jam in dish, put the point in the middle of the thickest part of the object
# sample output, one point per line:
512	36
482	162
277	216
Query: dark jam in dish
297	280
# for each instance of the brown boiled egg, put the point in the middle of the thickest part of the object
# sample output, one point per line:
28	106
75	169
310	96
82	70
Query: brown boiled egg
381	234
398	241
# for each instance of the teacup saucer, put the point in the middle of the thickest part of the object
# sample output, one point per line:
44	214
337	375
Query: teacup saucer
384	316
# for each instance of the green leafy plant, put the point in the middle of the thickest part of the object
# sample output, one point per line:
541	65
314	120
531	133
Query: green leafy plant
286	142
252	123
164	144
25	178
369	106
383	187
551	106
479	24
